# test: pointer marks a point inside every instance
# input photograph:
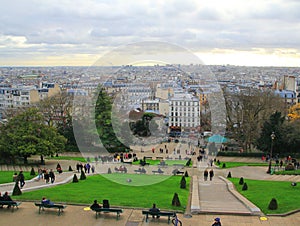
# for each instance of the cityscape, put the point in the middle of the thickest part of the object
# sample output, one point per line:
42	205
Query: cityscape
150	113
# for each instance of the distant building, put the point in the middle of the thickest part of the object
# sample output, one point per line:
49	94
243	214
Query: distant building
184	111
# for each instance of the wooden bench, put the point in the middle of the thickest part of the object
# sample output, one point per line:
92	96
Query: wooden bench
12	204
162	213
42	206
176	172
140	171
159	171
108	210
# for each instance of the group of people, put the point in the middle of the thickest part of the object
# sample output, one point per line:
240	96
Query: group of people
87	168
210	173
48	176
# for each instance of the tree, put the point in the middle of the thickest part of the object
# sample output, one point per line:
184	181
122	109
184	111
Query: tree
294	112
26	134
274	124
246	113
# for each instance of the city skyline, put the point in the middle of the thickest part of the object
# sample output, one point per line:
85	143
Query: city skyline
78	33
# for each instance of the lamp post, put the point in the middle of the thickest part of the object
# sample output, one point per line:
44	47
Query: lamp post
272	141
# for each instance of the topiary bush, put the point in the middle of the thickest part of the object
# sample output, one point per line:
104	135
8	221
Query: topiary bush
82	175
273	205
17	190
32	172
109	171
70	168
241	182
229	175
75	179
245	187
183	182
175	200
186	174
224	165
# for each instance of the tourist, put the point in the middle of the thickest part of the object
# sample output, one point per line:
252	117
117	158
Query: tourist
21	179
217	222
46	201
46	176
154	209
211	174
52	176
205	175
95	205
6	197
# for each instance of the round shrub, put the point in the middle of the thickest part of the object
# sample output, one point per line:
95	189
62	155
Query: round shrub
245	187
241	182
273	205
229	175
75	179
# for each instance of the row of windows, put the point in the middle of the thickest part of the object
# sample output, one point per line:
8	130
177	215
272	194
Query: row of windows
185	103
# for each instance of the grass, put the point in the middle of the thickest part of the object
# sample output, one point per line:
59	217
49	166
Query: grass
261	192
237	164
100	187
288	172
6	176
169	162
79	159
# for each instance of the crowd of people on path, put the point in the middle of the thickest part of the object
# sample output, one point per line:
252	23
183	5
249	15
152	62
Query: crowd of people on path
87	168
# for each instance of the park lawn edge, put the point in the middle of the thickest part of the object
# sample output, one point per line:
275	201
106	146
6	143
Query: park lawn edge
261	192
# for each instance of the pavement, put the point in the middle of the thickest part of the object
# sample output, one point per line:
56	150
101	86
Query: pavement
210	199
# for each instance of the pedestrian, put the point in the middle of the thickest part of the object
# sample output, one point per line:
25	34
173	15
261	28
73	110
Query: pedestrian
46	176
211	174
217	222
77	167
205	175
40	173
52	176
93	169
88	167
21	179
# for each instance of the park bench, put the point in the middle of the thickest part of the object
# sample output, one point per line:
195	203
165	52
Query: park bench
121	170
159	171
108	210
140	171
42	206
147	157
12	204
162	213
177	172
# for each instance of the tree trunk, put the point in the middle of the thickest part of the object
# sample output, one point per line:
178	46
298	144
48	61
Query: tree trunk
25	160
42	160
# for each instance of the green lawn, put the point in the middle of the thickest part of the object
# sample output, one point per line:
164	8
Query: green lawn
169	162
6	176
288	172
261	192
79	159
236	164
99	187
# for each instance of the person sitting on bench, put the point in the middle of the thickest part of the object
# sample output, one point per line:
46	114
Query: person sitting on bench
6	197
95	205
47	201
154	209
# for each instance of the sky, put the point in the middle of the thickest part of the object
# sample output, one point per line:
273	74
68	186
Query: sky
79	32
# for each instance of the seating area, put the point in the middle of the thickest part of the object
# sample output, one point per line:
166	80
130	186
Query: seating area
42	206
163	213
108	210
121	169
140	171
177	172
159	171
12	204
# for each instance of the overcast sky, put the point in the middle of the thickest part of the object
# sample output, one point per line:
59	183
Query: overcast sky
78	32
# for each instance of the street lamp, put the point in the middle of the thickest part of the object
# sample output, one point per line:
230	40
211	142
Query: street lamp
272	141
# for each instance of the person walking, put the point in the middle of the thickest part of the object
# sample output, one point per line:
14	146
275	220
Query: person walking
217	222
52	176
211	174
205	175
21	179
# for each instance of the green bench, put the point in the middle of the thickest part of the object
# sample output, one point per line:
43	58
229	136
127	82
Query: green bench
13	204
164	214
42	206
108	210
